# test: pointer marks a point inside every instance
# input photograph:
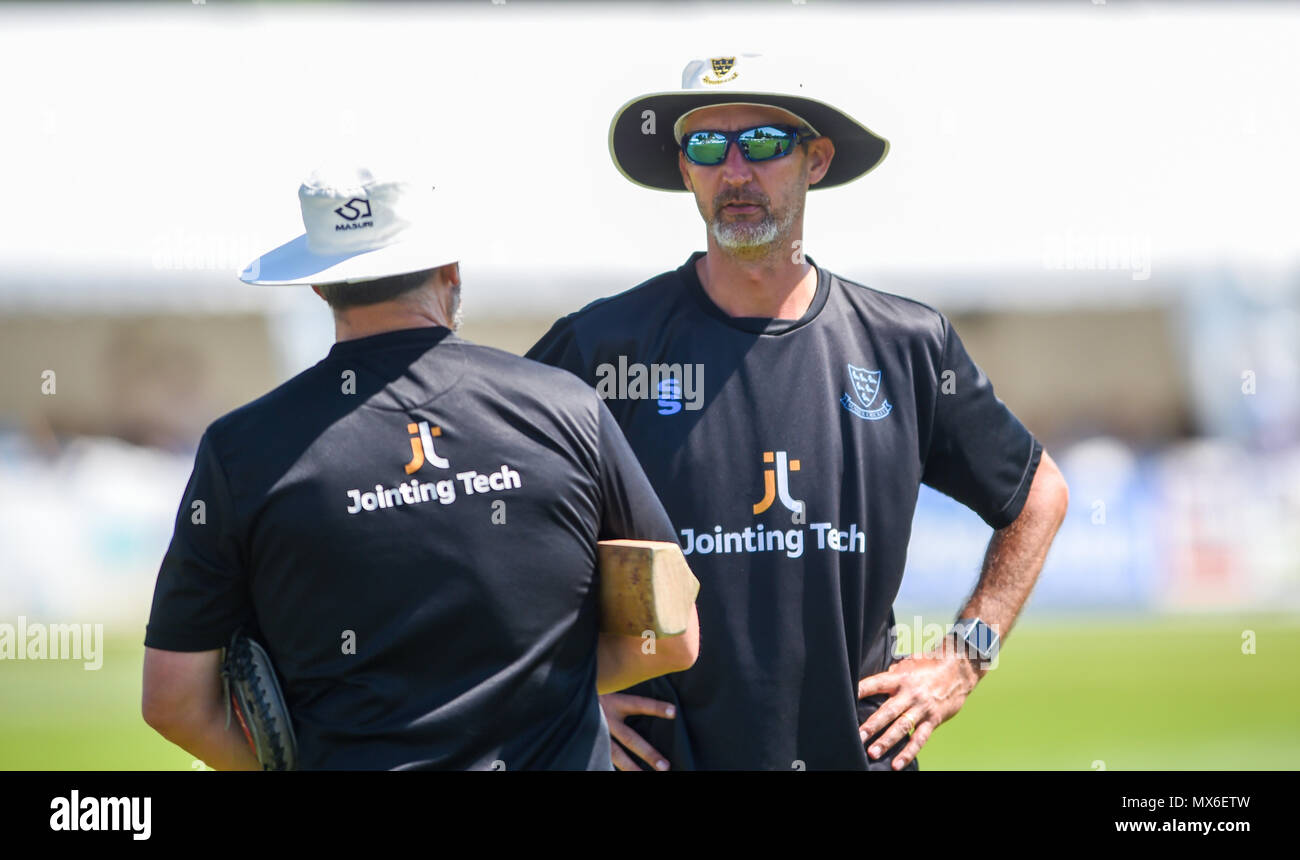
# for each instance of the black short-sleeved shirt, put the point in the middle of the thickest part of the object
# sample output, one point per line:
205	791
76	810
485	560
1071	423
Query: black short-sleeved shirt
790	465
434	506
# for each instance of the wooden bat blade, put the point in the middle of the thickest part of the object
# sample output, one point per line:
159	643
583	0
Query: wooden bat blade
645	585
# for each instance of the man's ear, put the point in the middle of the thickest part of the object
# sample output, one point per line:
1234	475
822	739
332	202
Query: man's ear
315	289
450	274
821	151
686	177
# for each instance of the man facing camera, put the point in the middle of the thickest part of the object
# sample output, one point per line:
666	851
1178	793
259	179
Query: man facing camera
795	417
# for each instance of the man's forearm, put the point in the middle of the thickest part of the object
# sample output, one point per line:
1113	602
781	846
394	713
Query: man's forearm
208	739
1016	553
624	661
184	701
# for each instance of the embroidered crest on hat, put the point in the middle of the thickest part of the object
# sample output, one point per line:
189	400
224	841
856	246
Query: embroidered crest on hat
721	65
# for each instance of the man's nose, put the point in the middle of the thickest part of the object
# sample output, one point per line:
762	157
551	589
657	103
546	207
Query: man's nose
735	169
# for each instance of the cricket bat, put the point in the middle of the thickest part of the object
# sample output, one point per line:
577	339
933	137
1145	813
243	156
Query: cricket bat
645	585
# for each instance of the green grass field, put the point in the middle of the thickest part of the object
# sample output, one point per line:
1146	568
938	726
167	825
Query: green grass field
1134	694
1141	694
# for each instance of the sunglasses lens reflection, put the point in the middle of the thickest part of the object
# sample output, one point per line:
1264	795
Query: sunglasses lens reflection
707	148
756	144
766	143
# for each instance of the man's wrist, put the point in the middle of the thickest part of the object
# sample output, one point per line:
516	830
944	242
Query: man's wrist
969	663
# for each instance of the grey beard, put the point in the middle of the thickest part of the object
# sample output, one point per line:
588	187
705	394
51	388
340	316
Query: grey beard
752	239
745	235
457	317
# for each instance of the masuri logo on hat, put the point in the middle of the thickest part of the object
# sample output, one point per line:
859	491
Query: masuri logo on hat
359	228
649	158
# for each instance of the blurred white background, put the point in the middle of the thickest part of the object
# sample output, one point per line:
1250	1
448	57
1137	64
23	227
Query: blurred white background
1102	196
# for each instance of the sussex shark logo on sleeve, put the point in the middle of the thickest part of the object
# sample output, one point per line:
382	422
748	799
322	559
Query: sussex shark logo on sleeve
866	385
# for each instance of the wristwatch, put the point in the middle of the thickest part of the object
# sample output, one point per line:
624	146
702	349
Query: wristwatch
976	639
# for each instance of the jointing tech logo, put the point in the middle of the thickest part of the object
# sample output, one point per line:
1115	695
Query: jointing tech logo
415	491
759	538
776	484
421	441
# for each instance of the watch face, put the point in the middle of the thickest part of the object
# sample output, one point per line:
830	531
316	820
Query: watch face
979	638
983	638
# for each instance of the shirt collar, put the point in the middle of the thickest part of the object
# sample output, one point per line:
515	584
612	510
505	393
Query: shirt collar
424	336
755	325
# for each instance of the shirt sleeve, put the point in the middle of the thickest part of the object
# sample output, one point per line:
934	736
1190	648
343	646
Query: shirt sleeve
979	453
201	595
630	509
559	348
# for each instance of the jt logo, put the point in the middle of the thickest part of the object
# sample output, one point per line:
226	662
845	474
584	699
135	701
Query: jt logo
776	485
422	447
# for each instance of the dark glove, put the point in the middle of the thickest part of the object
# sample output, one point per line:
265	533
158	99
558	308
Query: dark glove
254	692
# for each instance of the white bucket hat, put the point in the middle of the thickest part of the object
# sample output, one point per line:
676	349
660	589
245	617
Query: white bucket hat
359	228
645	145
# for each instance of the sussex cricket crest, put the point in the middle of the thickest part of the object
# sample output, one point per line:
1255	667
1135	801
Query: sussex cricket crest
721	67
866	385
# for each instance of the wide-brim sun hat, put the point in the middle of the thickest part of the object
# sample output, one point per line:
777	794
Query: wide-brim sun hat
360	227
643	134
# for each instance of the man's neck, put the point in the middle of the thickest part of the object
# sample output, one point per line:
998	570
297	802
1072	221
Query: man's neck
775	287
361	322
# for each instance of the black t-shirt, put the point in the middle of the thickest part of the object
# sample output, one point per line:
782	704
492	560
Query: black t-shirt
432	506
789	454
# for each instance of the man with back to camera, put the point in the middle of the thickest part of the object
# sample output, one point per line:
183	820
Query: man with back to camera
410	526
787	417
